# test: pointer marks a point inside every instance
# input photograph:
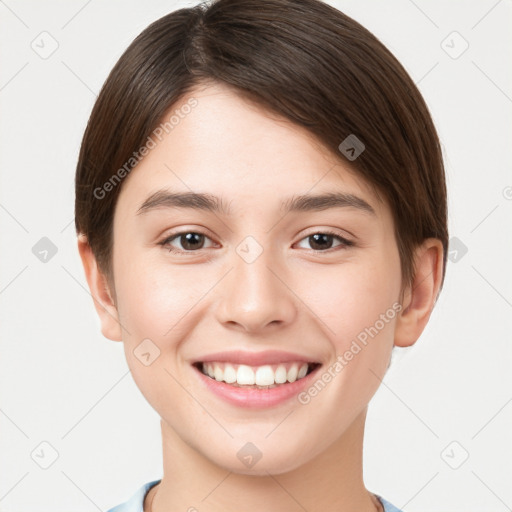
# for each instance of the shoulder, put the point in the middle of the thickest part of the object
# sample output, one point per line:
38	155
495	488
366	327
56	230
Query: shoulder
136	502
388	507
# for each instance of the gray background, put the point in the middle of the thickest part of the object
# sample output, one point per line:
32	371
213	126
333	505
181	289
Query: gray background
444	399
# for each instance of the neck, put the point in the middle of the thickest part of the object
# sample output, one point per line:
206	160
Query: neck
333	480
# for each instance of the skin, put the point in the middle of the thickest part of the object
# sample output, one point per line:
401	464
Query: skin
290	298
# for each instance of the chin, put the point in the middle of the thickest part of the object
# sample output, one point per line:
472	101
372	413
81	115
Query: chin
270	464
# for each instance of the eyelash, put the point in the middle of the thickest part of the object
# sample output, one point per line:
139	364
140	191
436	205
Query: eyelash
344	242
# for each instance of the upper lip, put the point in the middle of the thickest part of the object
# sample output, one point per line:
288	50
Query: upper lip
255	358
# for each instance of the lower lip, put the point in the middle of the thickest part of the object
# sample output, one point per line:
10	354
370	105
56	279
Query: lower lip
254	398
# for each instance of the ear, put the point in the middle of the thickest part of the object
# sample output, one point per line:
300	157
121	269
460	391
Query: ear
420	296
102	297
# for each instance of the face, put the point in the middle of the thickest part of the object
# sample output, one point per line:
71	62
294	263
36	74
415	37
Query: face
305	281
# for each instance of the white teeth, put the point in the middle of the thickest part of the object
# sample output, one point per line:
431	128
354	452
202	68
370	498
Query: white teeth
265	375
281	375
244	375
229	374
302	372
217	373
292	373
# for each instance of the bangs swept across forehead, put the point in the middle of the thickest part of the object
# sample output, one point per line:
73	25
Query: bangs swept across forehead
302	59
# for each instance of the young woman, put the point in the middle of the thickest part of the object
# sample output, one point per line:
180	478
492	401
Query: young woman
261	215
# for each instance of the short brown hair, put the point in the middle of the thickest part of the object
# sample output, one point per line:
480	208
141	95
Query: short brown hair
301	59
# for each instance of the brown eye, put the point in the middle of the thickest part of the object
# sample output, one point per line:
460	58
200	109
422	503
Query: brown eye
187	241
323	241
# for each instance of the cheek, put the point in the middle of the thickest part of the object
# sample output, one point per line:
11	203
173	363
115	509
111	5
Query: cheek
356	307
154	299
160	301
156	308
350	297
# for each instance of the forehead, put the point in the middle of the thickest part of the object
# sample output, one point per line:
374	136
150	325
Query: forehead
238	151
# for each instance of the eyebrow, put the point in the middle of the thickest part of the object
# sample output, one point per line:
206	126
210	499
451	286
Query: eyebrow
214	204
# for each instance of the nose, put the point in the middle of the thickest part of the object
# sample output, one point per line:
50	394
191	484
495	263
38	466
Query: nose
255	296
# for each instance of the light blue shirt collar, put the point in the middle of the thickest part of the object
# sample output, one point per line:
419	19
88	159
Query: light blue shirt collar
136	502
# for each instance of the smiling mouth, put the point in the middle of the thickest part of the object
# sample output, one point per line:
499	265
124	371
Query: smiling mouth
258	377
